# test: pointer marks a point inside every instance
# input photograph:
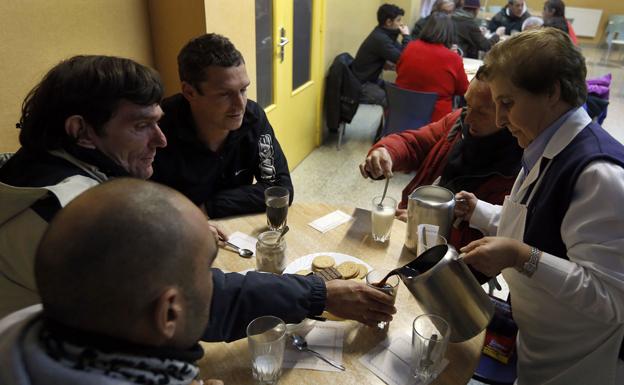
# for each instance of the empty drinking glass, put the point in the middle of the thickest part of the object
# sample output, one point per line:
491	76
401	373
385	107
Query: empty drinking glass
382	217
373	279
266	336
430	336
276	199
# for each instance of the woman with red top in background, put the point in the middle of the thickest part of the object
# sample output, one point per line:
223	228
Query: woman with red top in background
429	65
554	16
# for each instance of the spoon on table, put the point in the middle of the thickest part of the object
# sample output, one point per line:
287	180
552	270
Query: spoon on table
245	253
301	344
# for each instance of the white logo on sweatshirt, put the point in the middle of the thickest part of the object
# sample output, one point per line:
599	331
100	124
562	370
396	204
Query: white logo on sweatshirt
266	152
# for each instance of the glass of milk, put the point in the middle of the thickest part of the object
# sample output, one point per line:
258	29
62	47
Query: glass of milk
266	336
382	217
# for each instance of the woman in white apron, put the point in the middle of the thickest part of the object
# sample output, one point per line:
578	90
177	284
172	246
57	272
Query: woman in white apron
560	234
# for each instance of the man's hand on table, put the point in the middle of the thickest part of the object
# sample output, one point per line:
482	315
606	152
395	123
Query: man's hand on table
219	235
355	300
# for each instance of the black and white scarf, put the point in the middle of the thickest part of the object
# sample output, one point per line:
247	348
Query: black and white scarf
119	360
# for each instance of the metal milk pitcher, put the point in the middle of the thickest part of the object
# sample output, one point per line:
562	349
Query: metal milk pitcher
431	205
442	284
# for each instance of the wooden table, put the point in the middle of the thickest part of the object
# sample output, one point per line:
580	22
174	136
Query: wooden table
231	362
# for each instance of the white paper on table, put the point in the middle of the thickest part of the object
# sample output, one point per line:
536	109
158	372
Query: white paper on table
390	361
326	338
430	231
243	241
330	221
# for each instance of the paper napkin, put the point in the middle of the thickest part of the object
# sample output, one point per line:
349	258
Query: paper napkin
243	241
326	338
390	361
330	221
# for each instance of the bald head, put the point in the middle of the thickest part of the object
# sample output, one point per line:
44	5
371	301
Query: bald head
109	255
481	115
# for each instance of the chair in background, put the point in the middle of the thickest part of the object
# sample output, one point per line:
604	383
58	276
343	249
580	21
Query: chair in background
342	94
615	32
407	109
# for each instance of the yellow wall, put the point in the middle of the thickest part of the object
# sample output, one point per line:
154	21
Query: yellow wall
173	24
347	23
609	7
237	21
37	34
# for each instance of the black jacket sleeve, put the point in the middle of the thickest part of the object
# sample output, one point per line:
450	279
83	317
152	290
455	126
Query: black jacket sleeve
391	49
237	299
270	169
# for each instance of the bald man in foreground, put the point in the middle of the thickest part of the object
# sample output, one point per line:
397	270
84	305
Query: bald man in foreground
125	282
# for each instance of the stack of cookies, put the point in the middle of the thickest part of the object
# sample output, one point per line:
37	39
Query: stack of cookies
325	267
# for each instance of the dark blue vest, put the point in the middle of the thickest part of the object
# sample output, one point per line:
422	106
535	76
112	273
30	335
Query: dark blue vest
552	198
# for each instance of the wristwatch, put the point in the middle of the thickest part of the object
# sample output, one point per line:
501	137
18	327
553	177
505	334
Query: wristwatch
530	266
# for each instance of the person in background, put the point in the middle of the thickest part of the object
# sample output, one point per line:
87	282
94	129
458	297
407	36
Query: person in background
465	150
95	118
445	6
558	234
554	16
219	142
428	65
378	51
100	324
470	38
511	17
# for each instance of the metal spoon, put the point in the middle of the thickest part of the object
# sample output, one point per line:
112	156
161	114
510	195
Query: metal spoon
383	196
302	345
426	362
245	253
284	231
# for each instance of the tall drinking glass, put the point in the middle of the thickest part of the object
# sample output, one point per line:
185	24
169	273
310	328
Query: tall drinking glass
266	336
382	217
390	287
430	337
276	199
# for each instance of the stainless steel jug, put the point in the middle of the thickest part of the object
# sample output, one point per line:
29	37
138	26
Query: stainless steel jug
431	205
442	284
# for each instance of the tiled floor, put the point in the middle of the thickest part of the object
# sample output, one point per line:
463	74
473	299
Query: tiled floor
332	176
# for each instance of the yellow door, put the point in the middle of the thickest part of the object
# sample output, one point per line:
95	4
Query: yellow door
293	105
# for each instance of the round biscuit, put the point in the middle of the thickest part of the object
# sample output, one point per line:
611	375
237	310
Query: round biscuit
303	272
322	262
348	269
362	271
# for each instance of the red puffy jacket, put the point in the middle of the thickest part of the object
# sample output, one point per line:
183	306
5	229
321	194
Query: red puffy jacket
426	151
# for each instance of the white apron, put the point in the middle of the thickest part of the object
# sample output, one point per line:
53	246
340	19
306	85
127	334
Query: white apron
556	344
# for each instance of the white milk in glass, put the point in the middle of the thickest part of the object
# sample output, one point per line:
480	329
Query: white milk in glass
266	369
382	222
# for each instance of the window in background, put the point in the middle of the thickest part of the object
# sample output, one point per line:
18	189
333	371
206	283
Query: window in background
264	52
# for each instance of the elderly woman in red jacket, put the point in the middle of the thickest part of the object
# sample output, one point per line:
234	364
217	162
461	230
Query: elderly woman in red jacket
428	65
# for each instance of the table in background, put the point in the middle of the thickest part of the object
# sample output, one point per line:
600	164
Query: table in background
471	66
231	362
